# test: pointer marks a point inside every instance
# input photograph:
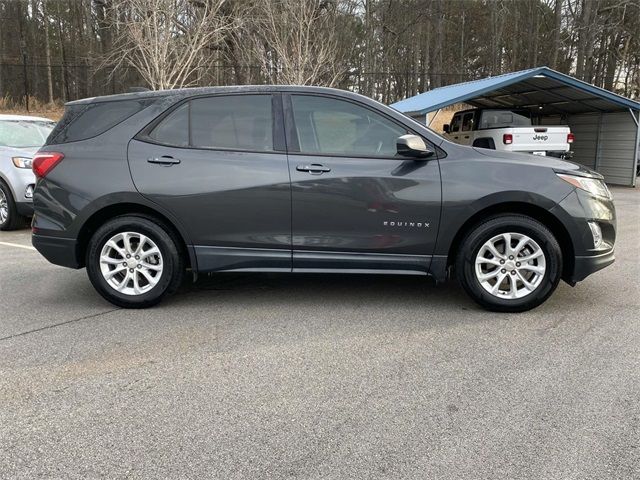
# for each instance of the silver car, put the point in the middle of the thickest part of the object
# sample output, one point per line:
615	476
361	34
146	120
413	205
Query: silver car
20	137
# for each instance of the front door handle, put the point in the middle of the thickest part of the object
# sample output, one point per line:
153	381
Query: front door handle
167	160
314	168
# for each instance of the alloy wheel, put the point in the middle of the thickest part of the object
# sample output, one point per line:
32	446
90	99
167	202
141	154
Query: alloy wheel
4	207
131	263
510	265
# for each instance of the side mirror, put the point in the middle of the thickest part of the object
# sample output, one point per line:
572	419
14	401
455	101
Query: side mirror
446	128
413	146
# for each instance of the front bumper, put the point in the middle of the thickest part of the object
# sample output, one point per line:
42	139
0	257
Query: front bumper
22	183
57	250
576	211
25	208
585	266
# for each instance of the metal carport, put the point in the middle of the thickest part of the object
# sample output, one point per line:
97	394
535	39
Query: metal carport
606	125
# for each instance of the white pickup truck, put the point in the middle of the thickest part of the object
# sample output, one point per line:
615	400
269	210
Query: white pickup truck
508	130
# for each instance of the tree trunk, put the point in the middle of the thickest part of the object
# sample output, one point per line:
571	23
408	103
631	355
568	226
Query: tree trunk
461	60
583	37
34	27
436	73
556	34
610	63
536	35
64	80
47	52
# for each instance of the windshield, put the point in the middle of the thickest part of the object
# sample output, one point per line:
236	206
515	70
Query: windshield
24	133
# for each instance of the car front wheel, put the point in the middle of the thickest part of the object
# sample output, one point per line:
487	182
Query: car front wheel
509	263
133	262
9	217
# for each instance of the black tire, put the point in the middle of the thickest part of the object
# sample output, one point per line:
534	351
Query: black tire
173	262
13	221
489	228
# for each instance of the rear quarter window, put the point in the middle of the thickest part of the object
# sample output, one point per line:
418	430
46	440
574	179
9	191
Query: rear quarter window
81	122
504	119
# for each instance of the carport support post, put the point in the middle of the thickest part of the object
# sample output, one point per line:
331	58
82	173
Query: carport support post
596	161
434	117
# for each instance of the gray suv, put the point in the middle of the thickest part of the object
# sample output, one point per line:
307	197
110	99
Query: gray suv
140	188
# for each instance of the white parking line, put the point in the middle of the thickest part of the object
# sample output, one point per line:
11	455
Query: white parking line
17	245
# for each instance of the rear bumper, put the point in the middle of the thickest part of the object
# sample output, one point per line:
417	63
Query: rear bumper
59	251
585	266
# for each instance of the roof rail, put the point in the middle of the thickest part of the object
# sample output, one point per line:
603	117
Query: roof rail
137	89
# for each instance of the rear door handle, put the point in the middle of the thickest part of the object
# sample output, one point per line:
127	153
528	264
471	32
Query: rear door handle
314	168
167	160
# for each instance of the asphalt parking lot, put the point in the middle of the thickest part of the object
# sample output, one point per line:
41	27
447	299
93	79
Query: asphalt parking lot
264	376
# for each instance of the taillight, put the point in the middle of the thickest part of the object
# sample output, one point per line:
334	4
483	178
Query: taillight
507	139
570	137
44	162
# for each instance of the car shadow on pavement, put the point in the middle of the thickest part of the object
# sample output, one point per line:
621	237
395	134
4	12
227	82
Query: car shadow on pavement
301	289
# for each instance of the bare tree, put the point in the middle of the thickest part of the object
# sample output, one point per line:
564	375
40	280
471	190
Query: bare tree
165	41
557	31
387	49
47	52
294	41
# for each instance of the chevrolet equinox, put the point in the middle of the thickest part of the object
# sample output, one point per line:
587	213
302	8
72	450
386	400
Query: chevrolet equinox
140	188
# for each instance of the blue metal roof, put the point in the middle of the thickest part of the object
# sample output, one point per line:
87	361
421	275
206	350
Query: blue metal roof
585	94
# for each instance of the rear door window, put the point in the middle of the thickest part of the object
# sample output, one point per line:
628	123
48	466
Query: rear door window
455	123
238	122
174	129
233	122
467	122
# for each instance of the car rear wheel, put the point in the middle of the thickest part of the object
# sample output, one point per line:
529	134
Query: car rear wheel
509	263
9	217
134	262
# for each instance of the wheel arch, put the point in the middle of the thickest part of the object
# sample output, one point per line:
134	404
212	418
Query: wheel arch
5	181
107	212
536	212
480	142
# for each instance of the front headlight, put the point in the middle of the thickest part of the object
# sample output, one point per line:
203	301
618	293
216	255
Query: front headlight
594	186
21	162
